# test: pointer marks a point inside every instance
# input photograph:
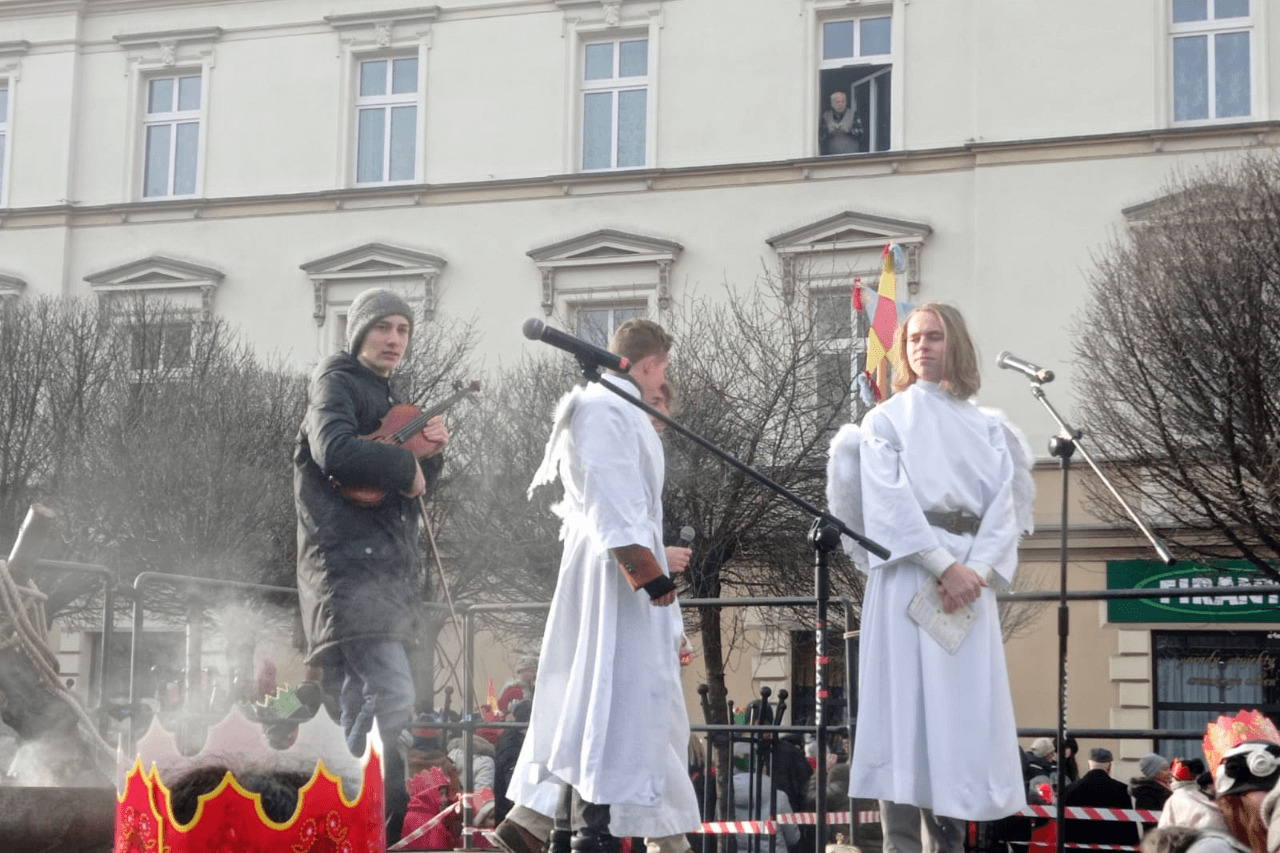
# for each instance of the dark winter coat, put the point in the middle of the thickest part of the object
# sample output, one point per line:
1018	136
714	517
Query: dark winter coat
357	566
1148	794
1097	788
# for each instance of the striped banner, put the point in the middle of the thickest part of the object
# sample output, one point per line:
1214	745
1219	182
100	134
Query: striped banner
770	827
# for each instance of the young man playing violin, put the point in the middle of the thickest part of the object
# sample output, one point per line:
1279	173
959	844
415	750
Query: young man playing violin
357	564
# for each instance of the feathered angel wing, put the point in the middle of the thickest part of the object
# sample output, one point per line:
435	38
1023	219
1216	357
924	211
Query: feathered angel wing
844	487
558	442
1024	487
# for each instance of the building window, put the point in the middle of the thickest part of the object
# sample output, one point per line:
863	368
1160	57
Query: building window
834	328
615	104
596	324
1212	60
4	136
160	345
172	136
1201	674
387	120
854	79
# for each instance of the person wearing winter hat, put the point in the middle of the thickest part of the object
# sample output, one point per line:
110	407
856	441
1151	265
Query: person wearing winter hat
1151	789
357	564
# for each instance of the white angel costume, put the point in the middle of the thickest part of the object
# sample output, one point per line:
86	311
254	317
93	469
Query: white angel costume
934	730
608	714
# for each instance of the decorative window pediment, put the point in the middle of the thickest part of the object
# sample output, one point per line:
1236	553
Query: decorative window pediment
11	287
384	28
850	235
166	48
162	275
370	265
1188	204
606	249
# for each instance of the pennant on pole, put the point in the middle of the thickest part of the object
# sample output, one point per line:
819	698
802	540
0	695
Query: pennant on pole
884	313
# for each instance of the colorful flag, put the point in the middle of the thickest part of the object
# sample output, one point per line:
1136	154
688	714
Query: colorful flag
884	320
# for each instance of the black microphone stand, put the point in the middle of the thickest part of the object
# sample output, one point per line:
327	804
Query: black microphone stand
1063	446
824	537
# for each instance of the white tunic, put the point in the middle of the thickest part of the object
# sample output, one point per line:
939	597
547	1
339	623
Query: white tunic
608	713
934	730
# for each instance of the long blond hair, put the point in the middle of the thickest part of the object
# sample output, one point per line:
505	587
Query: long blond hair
960	369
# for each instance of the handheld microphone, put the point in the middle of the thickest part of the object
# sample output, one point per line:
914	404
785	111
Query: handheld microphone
687	535
1008	361
536	330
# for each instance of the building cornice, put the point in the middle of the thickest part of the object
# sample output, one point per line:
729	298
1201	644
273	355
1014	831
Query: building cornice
969	157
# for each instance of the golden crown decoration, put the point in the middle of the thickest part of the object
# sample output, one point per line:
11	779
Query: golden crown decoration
339	806
1229	732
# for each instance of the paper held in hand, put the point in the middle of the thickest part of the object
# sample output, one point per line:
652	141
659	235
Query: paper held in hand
947	629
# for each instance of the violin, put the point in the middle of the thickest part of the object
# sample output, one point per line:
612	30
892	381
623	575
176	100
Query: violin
403	425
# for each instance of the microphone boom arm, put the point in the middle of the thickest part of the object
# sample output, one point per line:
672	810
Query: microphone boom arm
592	373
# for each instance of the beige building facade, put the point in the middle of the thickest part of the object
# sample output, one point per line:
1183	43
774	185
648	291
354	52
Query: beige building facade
582	161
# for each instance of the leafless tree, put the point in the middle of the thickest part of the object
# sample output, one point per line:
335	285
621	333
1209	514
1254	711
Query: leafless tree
1181	341
187	470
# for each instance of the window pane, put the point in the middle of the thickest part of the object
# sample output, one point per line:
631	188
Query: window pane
156	177
631	120
404	132
160	95
1	164
177	345
834	379
622	315
833	315
599	61
189	93
370	141
404	76
837	39
1190	10
144	351
597	130
633	58
4	105
1231	93
373	78
1231	9
875	36
1190	78
184	156
593	325
883	115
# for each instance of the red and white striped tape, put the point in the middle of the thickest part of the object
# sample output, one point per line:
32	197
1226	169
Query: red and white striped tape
770	827
1092	813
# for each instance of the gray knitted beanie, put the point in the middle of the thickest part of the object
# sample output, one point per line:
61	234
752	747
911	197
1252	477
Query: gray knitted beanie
370	307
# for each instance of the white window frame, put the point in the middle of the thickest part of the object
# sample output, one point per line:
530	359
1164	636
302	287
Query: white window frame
6	110
173	119
1208	29
371	36
152	55
387	103
11	53
638	306
615	85
858	58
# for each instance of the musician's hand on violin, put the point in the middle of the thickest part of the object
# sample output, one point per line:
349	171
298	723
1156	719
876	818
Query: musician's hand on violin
435	433
419	483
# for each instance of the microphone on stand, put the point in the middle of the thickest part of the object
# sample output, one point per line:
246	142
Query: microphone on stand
536	330
1008	361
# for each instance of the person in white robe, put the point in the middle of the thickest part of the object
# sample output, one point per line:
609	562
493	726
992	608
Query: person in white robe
609	716
946	487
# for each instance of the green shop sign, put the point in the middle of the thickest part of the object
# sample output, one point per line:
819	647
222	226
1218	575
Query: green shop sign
1185	578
